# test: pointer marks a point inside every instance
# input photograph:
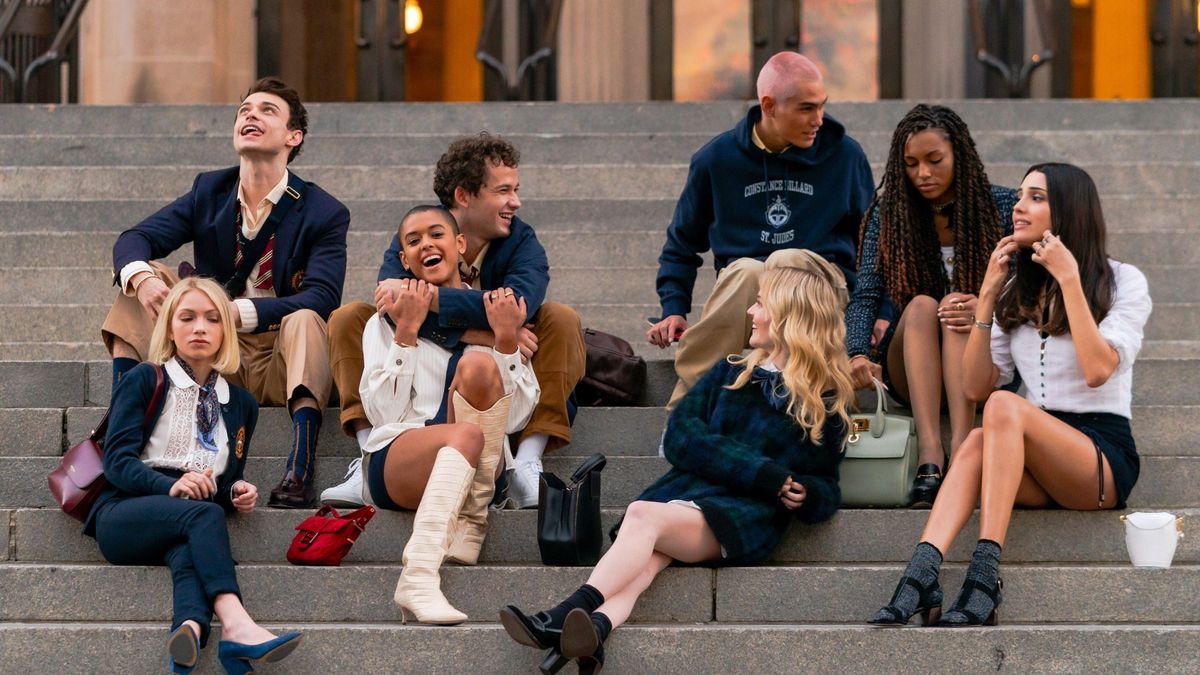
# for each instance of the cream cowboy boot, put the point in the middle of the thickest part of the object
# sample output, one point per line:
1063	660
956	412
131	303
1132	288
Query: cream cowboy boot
466	538
419	588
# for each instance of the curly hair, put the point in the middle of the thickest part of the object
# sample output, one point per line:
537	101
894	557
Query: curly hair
807	321
909	251
464	164
297	114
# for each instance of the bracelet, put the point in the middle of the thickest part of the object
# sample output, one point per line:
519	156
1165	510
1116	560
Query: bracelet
984	326
402	345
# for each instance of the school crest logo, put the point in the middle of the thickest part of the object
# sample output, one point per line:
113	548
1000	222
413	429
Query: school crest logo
239	446
778	213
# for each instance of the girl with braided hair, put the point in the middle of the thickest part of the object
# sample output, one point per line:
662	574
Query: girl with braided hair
924	245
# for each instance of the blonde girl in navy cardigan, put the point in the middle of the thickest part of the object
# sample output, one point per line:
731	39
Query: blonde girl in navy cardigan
755	444
171	483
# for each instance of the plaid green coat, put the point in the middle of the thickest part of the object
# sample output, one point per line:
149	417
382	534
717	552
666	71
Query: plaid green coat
731	451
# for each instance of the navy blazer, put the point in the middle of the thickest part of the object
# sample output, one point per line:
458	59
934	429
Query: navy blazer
128	475
517	261
308	261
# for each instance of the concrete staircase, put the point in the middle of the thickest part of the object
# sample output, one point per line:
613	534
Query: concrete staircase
599	184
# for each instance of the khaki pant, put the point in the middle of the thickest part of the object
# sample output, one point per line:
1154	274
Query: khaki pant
558	365
274	364
724	325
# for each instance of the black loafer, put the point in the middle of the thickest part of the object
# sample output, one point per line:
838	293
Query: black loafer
926	485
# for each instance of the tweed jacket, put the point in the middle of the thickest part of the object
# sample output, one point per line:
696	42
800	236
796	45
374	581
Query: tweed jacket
730	453
128	476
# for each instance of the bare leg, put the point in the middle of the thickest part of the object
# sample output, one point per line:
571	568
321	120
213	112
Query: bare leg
619	606
961	408
676	531
477	379
411	457
1022	442
236	624
915	369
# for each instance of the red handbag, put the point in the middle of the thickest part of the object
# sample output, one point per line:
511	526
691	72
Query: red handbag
325	537
79	478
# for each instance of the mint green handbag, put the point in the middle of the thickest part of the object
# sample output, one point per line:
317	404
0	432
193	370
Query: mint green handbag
881	458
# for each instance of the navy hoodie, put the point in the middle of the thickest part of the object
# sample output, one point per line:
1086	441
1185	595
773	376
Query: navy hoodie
743	202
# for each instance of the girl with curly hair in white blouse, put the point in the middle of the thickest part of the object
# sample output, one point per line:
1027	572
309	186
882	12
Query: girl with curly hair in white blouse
1055	308
439	417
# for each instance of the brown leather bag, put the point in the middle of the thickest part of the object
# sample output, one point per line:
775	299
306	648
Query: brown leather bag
614	376
79	478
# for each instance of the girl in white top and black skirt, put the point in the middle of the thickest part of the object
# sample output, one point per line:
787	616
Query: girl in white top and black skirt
1070	321
439	418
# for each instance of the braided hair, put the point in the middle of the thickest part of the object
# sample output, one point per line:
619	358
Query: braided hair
909	251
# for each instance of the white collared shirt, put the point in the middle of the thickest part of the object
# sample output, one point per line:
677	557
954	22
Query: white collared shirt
402	387
173	443
1050	370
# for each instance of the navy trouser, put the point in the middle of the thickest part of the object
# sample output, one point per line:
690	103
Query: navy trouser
188	536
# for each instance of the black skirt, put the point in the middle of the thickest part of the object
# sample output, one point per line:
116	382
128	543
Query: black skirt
1113	436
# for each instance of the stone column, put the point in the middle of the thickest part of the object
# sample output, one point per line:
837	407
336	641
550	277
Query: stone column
604	51
166	51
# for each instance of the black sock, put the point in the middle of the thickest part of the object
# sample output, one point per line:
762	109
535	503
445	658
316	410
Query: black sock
924	568
306	424
602	624
585	597
120	366
984	570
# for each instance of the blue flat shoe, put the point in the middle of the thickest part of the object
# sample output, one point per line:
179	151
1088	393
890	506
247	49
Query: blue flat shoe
240	659
183	650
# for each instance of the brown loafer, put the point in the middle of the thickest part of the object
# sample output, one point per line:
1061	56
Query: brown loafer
293	493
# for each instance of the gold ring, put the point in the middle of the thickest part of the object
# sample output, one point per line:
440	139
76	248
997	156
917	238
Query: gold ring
508	293
959	306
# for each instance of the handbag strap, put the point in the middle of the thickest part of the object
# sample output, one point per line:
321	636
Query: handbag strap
880	420
594	463
101	429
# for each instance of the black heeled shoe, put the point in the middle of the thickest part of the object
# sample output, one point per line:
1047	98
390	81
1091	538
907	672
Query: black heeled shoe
581	642
530	631
929	607
553	662
925	486
951	619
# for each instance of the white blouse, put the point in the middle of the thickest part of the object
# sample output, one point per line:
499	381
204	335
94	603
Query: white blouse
1050	367
402	387
173	443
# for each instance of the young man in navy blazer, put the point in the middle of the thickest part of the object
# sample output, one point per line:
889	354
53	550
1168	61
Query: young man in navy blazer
476	179
277	244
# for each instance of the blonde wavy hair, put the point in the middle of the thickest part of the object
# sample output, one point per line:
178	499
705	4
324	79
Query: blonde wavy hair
162	347
808	325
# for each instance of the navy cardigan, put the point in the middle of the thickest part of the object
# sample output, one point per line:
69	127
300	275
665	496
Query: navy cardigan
128	476
731	451
517	261
308	263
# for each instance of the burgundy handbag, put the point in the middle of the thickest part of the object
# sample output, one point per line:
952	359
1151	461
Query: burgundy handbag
79	478
614	374
325	537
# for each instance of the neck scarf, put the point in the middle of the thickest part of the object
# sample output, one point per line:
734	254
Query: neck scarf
207	407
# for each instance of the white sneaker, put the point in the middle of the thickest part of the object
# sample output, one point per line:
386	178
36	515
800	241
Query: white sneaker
523	485
349	492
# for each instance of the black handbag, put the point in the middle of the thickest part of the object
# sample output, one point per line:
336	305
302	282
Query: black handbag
568	521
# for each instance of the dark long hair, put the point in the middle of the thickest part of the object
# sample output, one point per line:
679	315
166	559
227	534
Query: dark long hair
1076	218
909	252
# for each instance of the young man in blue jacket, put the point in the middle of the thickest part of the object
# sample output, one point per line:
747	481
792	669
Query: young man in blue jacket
477	180
784	186
277	244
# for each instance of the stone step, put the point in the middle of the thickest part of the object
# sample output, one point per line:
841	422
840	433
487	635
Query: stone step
639	147
841	594
613	431
1125	212
1165	481
574	285
1162	379
1114	117
669	649
852	536
564	248
578	181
